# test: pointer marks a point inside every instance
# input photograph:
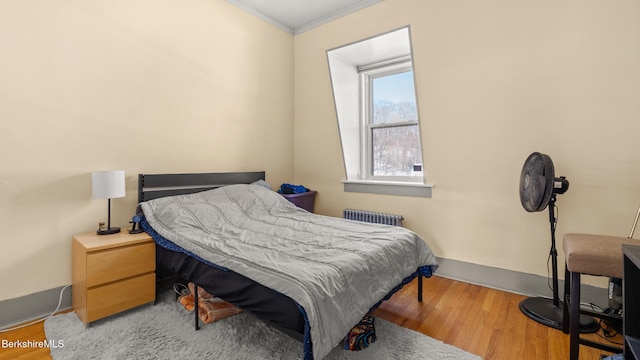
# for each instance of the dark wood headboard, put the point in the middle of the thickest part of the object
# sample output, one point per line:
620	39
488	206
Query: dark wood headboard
153	186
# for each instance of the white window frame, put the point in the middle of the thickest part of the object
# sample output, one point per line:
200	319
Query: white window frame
367	74
345	64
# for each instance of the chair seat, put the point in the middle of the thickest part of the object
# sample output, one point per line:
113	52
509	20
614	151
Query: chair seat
599	255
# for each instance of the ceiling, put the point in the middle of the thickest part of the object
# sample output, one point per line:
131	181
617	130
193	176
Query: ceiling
296	16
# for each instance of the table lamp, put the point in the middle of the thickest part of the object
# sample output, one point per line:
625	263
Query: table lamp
108	185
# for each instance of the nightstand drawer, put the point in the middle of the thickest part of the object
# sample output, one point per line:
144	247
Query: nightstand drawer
119	263
119	296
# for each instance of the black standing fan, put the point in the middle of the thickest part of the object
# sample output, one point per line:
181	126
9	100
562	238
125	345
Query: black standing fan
538	189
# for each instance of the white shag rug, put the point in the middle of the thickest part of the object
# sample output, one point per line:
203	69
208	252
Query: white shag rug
164	331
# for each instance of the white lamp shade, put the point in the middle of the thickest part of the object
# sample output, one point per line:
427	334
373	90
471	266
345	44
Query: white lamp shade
108	184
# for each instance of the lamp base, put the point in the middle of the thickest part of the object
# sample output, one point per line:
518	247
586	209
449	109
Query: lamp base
109	231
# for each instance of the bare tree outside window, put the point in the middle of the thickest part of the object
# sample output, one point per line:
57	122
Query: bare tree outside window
393	123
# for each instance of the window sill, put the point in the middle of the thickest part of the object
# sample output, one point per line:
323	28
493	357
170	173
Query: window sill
388	188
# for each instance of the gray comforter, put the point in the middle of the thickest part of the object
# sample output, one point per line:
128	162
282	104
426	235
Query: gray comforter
335	269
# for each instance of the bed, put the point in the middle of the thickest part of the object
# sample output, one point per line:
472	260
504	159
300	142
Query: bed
313	277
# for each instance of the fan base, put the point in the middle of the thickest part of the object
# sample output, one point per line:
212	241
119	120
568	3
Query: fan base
546	313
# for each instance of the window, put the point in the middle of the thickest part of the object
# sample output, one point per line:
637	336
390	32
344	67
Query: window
392	148
375	100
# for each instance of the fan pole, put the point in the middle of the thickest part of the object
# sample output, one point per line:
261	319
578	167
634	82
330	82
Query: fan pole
554	251
546	311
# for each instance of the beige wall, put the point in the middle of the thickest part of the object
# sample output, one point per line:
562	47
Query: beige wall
496	80
145	86
165	86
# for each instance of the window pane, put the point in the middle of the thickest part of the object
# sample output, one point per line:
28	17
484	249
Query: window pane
396	150
394	98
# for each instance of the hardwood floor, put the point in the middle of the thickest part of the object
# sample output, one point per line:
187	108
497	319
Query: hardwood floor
34	333
480	320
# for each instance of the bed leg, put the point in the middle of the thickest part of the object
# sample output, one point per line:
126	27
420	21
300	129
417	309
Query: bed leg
155	299
419	288
195	309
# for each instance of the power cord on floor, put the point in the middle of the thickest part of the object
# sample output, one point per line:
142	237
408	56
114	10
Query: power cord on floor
608	331
42	319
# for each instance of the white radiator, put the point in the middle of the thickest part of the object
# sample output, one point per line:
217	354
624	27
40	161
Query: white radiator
372	217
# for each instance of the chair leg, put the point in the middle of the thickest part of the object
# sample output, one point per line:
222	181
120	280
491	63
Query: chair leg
574	314
565	301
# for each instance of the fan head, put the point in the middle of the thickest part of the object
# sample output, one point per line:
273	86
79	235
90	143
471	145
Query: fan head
538	182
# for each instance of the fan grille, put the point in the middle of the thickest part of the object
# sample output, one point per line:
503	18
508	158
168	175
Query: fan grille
536	182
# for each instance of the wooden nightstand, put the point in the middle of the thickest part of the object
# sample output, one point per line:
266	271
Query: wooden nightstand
112	273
